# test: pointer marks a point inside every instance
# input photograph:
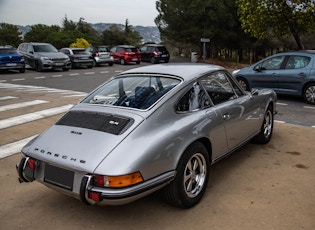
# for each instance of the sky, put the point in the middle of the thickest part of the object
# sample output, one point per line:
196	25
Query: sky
52	12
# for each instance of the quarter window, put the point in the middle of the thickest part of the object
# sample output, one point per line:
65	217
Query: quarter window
297	62
196	98
219	88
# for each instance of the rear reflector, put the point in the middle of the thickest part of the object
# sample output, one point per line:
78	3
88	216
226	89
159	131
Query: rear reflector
31	163
94	196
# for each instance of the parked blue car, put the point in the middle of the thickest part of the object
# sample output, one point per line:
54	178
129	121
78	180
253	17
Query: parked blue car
10	59
289	73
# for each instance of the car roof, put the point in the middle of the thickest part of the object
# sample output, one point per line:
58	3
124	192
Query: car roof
186	71
155	45
126	46
296	52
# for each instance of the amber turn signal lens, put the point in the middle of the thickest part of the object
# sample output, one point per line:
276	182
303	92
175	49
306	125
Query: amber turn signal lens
118	181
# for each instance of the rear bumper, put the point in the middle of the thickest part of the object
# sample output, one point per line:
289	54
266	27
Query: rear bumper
86	191
106	196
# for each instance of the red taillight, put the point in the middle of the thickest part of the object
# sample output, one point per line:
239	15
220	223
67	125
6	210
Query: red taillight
94	196
31	163
99	180
96	54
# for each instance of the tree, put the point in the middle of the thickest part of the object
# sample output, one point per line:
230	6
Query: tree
186	22
268	18
9	35
118	36
41	33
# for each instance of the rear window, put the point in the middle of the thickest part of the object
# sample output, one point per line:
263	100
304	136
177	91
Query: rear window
79	52
138	92
103	49
131	49
161	48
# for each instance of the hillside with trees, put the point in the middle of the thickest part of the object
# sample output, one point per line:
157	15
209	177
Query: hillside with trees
238	30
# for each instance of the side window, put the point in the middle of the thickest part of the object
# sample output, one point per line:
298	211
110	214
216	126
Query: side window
219	88
29	48
272	63
297	62
196	98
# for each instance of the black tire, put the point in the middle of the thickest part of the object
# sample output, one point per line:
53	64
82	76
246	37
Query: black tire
110	63
266	129
138	62
22	70
65	69
153	60
191	179
122	61
309	94
243	83
95	63
38	66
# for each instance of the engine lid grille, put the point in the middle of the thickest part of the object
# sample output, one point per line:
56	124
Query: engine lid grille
108	123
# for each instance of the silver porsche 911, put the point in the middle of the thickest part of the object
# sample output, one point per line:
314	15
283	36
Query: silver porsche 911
151	128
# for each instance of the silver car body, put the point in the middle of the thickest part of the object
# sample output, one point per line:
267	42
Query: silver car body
150	139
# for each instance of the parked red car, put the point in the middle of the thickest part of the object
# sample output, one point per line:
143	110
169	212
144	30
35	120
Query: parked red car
124	54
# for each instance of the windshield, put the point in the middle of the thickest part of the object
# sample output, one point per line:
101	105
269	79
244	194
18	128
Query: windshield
139	92
44	48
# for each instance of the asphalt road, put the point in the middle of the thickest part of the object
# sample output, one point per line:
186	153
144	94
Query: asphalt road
258	187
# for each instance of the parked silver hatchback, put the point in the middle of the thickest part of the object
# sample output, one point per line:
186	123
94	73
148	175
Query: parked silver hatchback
43	56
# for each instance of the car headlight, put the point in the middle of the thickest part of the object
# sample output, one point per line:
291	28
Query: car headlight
117	181
45	58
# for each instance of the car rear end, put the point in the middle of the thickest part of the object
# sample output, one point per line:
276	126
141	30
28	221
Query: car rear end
102	55
11	60
81	58
161	54
131	54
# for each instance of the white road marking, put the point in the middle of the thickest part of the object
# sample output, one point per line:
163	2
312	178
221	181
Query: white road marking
56	76
88	73
39	77
13	121
309	107
7	98
13	148
18	79
279	103
21	105
74	74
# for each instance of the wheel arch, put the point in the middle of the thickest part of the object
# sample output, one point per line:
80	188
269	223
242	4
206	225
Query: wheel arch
305	85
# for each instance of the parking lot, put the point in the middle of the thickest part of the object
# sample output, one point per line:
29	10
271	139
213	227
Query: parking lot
258	187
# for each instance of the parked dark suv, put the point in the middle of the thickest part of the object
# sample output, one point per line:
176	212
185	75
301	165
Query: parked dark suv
43	56
154	53
101	55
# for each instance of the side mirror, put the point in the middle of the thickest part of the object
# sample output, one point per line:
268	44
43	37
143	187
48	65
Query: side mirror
257	69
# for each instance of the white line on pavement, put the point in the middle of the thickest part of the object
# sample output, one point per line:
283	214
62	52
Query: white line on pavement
6	123
7	98
21	105
13	148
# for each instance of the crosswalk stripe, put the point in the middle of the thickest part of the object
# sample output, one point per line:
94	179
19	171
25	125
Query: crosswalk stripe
13	148
21	105
12	121
7	98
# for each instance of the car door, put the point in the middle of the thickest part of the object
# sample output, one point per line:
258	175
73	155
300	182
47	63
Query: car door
266	73
294	73
236	111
